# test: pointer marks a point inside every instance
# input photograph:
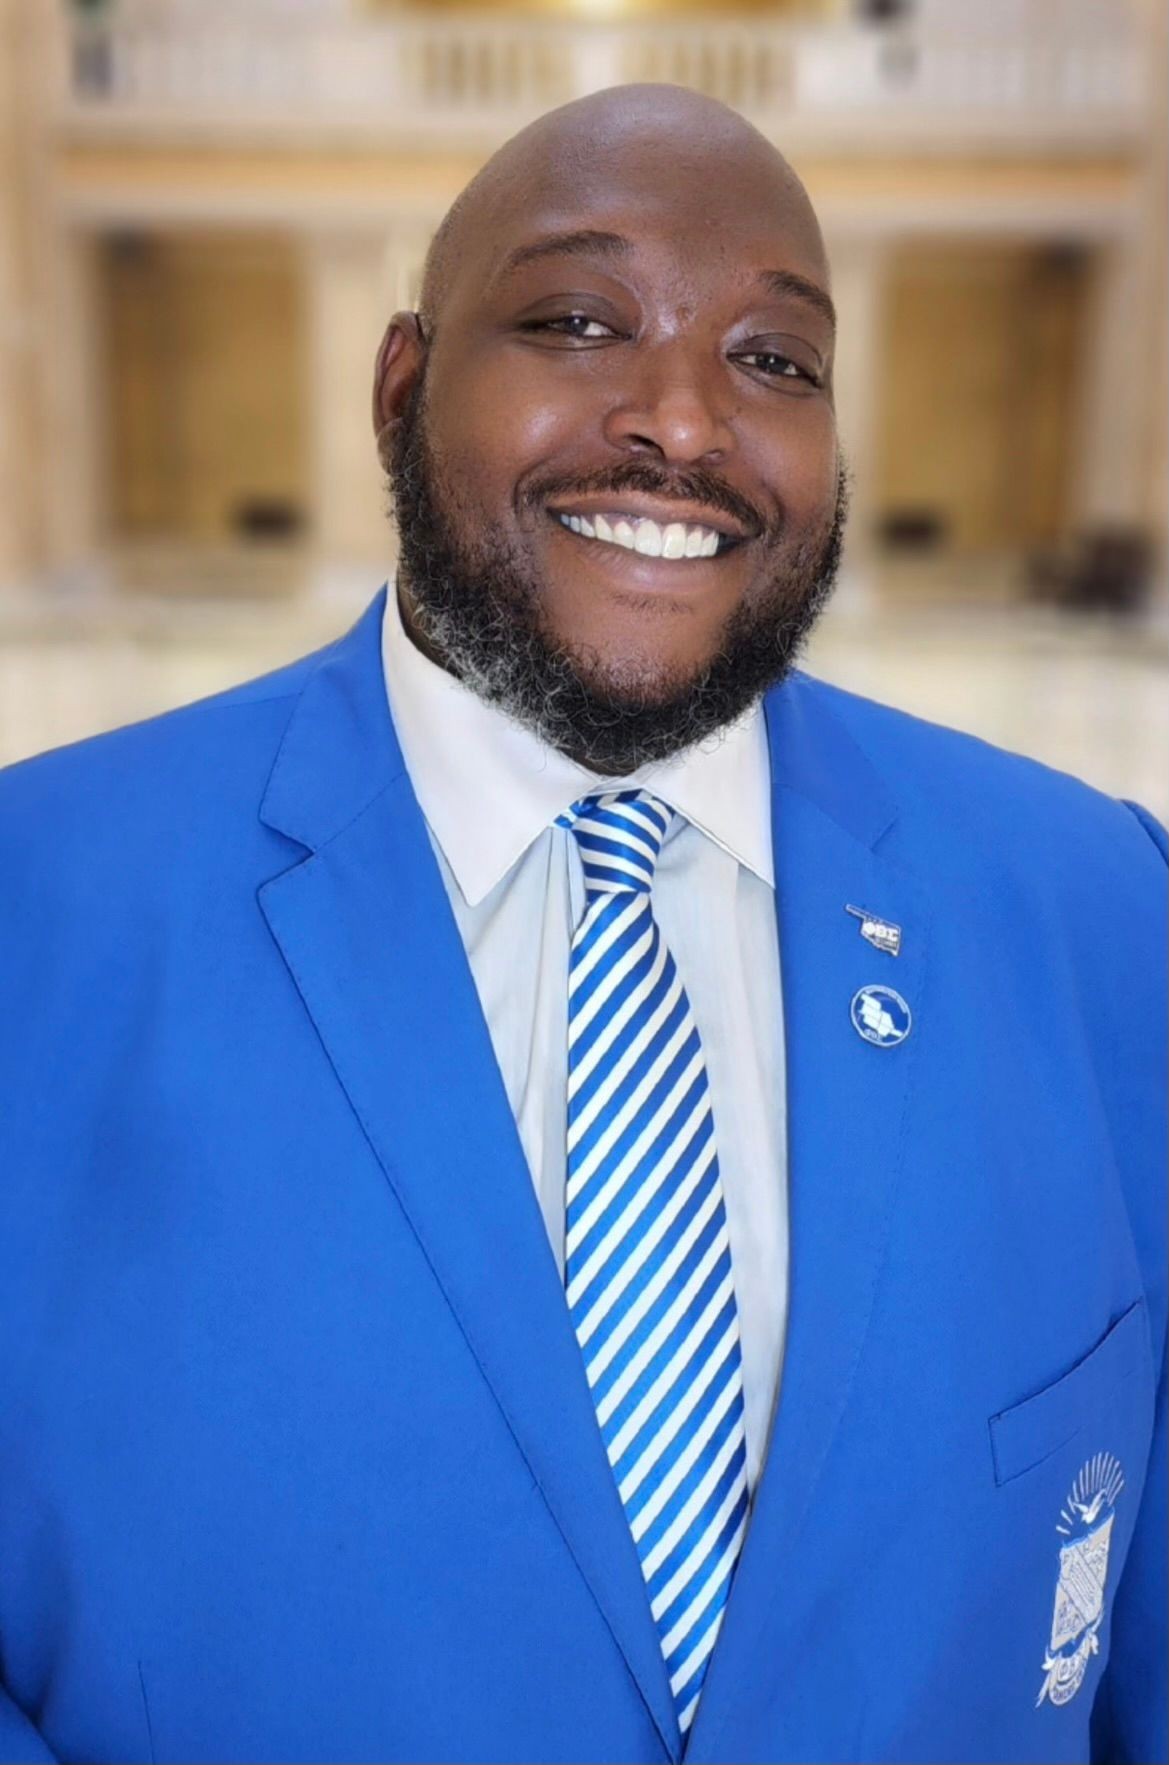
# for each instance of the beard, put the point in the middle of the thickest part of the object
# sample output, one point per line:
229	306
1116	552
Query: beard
475	606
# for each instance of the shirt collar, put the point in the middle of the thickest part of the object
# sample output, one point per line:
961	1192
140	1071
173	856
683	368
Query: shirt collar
488	787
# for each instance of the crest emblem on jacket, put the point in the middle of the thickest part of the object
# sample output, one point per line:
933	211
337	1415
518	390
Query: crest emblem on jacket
1086	1523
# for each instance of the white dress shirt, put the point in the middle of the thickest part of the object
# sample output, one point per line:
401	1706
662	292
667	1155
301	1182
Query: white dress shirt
490	792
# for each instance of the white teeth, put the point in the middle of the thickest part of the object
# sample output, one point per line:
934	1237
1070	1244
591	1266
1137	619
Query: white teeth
648	537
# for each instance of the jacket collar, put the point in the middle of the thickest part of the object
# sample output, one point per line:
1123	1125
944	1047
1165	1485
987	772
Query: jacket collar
340	748
488	787
814	755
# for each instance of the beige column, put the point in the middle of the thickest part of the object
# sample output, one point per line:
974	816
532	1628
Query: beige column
20	166
72	469
1121	415
49	390
1120	445
1156	207
1110	473
355	282
858	265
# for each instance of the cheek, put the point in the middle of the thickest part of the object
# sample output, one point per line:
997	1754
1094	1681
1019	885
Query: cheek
799	456
501	420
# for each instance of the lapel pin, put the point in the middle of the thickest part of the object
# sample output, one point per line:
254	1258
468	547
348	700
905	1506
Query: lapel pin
879	932
881	1016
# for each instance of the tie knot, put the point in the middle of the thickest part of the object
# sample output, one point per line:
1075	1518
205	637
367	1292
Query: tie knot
619	835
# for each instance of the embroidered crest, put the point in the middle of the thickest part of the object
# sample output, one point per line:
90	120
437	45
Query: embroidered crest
1086	1522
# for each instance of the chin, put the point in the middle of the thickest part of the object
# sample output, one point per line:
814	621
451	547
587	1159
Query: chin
625	680
634	661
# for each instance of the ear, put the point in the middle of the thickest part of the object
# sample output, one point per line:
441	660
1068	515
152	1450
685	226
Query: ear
399	363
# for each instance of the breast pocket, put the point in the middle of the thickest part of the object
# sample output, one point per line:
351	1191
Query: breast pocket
1070	1463
1106	1378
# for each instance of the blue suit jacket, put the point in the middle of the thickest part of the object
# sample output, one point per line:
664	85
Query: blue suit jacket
297	1457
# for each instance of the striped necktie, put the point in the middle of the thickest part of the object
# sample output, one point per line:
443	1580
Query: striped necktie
647	1257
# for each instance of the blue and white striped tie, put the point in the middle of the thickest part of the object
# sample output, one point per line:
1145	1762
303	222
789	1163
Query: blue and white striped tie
648	1261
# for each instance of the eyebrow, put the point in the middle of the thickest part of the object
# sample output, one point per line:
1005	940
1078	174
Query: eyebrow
592	242
583	242
789	286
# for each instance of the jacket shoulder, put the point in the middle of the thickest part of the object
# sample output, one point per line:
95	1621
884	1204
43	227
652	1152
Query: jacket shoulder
184	739
978	805
148	793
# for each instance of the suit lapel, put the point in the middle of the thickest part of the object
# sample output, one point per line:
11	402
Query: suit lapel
367	933
368	936
846	1103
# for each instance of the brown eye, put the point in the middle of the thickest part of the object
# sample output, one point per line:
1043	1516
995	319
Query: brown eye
777	366
578	325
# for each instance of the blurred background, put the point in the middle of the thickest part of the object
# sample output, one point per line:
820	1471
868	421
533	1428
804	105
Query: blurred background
209	208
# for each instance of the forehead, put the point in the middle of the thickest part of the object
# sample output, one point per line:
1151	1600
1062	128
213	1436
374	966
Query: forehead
690	207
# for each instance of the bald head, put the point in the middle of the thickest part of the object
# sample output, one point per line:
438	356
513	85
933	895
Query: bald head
651	135
611	430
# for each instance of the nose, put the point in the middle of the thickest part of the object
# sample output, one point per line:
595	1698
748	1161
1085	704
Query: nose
670	406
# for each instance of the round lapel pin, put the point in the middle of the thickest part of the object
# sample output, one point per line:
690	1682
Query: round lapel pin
881	1016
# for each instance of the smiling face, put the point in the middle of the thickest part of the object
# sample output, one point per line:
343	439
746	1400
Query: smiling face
617	424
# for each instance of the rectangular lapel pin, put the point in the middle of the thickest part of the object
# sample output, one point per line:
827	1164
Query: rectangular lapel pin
879	932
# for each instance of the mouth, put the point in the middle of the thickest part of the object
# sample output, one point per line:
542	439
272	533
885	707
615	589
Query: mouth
651	535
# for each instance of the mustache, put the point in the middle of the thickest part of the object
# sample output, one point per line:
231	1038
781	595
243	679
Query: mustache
692	484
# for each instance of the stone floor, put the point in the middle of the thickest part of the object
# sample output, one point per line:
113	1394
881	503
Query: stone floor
1082	693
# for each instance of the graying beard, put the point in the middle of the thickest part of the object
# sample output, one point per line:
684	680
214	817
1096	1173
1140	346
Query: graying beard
517	669
495	661
496	646
555	693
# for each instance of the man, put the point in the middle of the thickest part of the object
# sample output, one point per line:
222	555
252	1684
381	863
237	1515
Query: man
571	1193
